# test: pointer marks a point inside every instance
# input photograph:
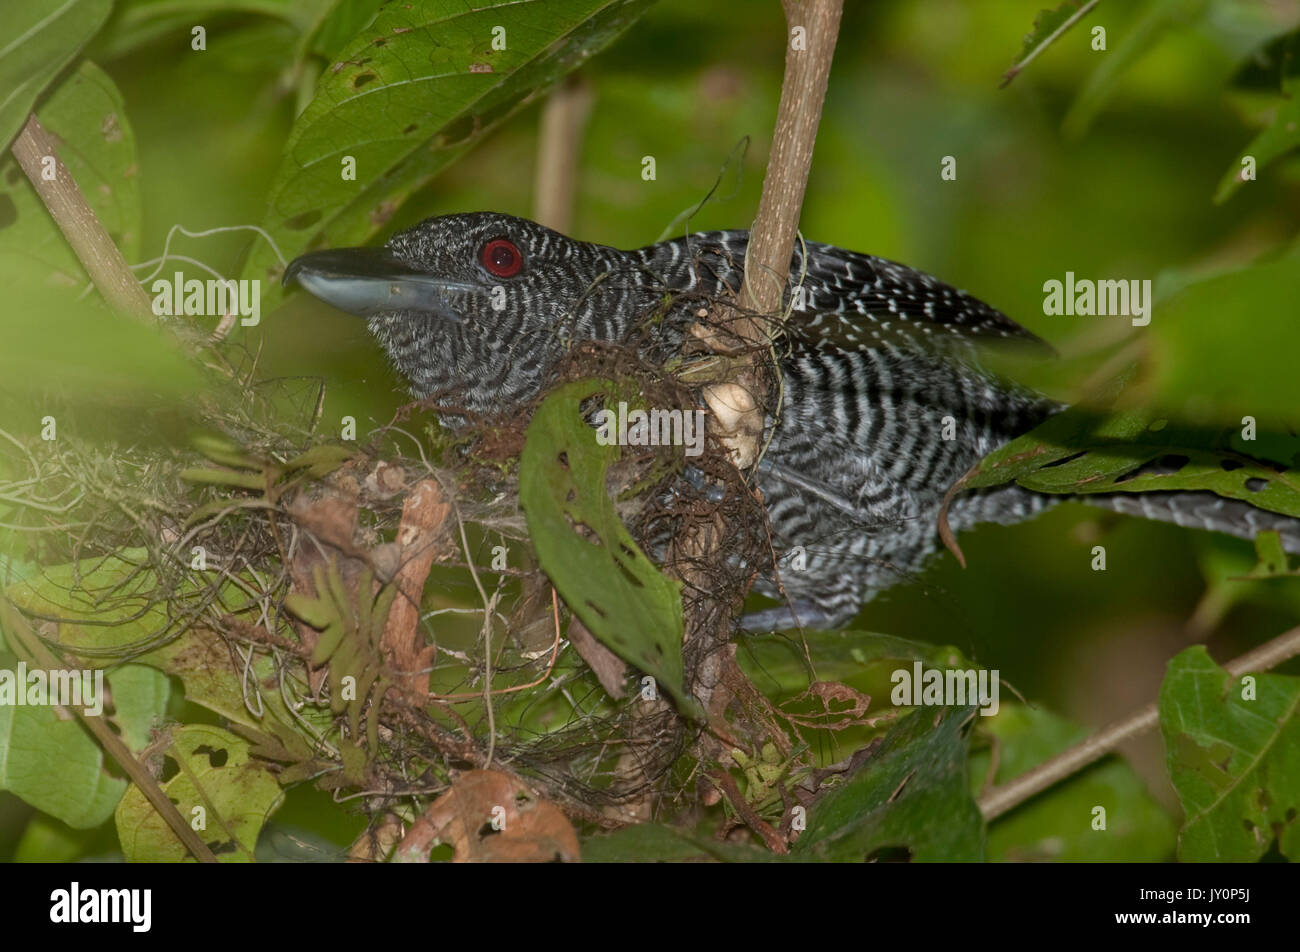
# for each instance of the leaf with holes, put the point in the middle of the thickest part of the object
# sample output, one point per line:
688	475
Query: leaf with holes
911	795
45	36
1083	451
1233	749
218	789
421	84
587	552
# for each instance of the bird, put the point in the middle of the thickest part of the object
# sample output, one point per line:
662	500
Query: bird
886	398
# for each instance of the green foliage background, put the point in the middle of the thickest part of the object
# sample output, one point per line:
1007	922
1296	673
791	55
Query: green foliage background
1107	164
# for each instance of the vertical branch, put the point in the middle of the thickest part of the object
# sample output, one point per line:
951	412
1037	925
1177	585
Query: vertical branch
33	149
771	240
738	405
564	118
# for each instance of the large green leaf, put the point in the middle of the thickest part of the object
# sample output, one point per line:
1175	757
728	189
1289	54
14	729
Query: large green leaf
85	113
603	576
411	93
1233	749
912	794
42	37
55	764
1057	825
216	786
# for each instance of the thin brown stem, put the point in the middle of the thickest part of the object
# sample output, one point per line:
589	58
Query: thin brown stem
36	151
16	627
1002	799
564	118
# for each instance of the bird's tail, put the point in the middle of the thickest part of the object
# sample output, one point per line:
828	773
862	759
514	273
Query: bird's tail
1193	510
1202	510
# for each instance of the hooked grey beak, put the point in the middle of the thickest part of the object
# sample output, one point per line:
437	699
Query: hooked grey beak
366	281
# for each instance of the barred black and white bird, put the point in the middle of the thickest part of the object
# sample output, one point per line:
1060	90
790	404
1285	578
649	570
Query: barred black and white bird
476	310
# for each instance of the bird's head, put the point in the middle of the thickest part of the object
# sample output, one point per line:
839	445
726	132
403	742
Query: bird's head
475	309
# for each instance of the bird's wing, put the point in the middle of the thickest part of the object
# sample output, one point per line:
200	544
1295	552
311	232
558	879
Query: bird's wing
853	301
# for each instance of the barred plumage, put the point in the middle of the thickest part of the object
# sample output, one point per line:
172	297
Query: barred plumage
877	359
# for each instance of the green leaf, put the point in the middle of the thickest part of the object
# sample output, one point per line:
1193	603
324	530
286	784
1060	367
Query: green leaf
1045	26
1056	826
913	793
410	94
627	603
86	115
56	766
215	781
47	840
1085	451
778	665
1233	750
44	37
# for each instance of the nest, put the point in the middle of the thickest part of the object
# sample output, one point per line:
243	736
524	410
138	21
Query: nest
253	544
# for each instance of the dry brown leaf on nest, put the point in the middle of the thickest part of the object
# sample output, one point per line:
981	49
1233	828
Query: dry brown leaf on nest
490	817
609	668
423	526
851	712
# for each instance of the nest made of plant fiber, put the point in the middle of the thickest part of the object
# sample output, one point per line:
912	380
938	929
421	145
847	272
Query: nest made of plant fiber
236	558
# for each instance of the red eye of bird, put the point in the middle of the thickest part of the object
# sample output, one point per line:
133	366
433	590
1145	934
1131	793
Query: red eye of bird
502	258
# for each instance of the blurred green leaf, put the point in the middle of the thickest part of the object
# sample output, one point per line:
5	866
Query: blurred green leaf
606	579
44	37
1280	136
1056	826
1218	346
215	781
408	96
1159	18
1233	749
913	793
47	840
